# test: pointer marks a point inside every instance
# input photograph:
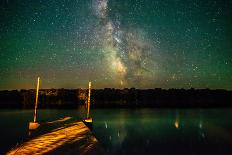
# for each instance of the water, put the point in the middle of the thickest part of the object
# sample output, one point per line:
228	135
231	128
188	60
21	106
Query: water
144	131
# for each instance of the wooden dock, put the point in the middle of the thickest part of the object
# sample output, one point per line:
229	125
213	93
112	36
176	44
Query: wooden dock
74	138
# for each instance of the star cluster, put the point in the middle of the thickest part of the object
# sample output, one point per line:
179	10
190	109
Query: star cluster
116	43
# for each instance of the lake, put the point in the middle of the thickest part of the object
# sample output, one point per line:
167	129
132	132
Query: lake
135	131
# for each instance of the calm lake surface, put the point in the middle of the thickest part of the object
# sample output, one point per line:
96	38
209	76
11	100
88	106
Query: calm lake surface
137	131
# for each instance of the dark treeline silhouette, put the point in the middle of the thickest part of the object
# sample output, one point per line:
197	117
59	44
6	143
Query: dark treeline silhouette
123	98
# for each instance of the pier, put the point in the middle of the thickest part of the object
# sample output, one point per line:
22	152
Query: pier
74	138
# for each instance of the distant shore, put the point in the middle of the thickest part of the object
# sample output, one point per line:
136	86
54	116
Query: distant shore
117	98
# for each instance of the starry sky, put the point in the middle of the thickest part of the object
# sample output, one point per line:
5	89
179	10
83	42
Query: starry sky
116	43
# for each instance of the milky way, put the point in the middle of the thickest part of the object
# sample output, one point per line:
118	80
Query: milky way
116	43
126	52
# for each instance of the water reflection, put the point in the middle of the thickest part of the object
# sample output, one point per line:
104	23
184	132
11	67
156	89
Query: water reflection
177	121
162	131
146	131
177	124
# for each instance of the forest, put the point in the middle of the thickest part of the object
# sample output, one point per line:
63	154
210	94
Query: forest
117	98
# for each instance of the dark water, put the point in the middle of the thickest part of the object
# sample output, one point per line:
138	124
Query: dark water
144	131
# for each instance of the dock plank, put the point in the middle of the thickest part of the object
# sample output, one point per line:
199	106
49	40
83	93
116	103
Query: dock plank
72	138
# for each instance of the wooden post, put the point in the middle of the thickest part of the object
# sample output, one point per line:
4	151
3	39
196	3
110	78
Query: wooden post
88	121
89	100
36	100
34	125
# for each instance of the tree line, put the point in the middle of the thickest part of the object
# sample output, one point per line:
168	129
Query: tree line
122	98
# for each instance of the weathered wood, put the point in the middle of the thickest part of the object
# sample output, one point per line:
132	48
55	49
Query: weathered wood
75	135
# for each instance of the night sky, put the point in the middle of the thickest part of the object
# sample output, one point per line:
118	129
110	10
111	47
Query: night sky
116	43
